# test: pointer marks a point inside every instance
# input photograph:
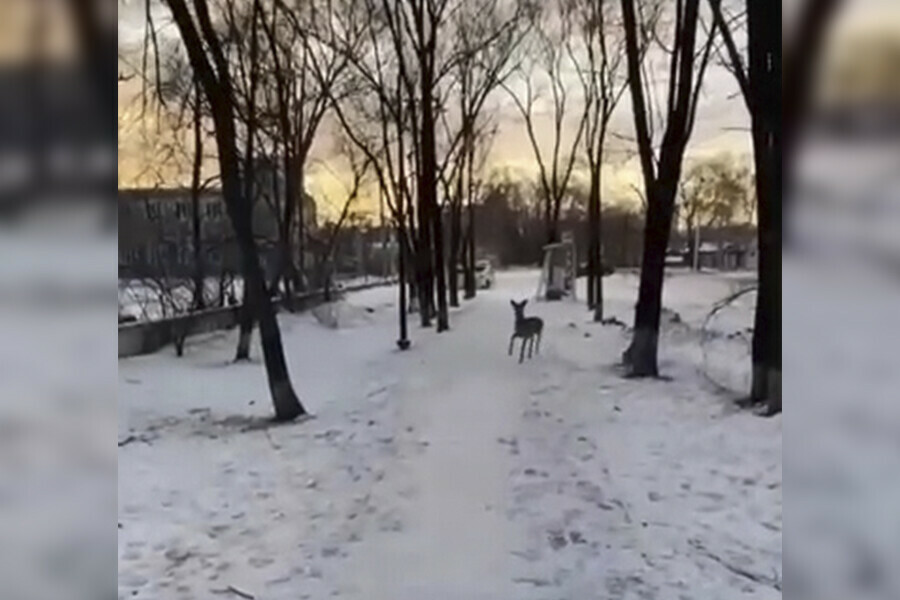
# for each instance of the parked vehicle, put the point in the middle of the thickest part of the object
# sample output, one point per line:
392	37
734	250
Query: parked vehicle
484	274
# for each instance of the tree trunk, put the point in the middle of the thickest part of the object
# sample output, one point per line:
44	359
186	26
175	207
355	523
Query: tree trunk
774	273
661	175
413	293
780	190
424	287
424	271
403	340
598	277
287	220
410	273
641	356
440	269
693	243
762	321
300	272
431	250
220	295
386	258
246	331
760	346
283	279
287	405
219	93
199	299
554	230
549	233
764	76
455	234
470	254
595	271
592	247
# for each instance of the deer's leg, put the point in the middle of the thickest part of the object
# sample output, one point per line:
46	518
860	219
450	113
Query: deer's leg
512	340
530	346
522	350
537	349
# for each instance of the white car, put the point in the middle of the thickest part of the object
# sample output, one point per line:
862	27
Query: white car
484	274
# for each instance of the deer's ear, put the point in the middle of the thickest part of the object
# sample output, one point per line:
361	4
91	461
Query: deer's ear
512	303
524	302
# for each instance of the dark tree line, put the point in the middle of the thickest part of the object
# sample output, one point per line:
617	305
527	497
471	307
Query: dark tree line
512	230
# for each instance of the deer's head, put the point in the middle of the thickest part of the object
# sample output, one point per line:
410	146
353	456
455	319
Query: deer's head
519	308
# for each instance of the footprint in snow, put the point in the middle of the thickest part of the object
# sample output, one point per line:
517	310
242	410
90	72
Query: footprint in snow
535	581
576	537
557	540
260	562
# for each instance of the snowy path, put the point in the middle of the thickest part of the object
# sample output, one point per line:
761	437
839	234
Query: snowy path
450	471
459	538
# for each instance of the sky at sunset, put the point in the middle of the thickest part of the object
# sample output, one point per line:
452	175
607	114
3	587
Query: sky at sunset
721	127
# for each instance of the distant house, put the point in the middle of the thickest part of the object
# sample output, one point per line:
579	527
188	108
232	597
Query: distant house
724	257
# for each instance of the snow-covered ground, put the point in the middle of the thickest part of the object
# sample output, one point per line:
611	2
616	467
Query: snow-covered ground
451	471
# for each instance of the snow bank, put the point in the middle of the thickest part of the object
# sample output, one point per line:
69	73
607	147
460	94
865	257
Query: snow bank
343	315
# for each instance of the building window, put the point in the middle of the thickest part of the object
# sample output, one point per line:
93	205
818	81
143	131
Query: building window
182	210
214	210
154	254
133	256
152	210
185	256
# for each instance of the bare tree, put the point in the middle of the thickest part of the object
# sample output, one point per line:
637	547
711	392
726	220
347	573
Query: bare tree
462	185
406	59
597	51
486	35
712	192
410	113
377	120
302	71
182	100
325	243
196	187
244	52
207	58
661	171
388	65
553	63
425	20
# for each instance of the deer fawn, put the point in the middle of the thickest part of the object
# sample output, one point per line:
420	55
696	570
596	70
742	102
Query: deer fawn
527	328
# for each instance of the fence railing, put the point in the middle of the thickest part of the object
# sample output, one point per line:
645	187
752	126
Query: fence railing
146	337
